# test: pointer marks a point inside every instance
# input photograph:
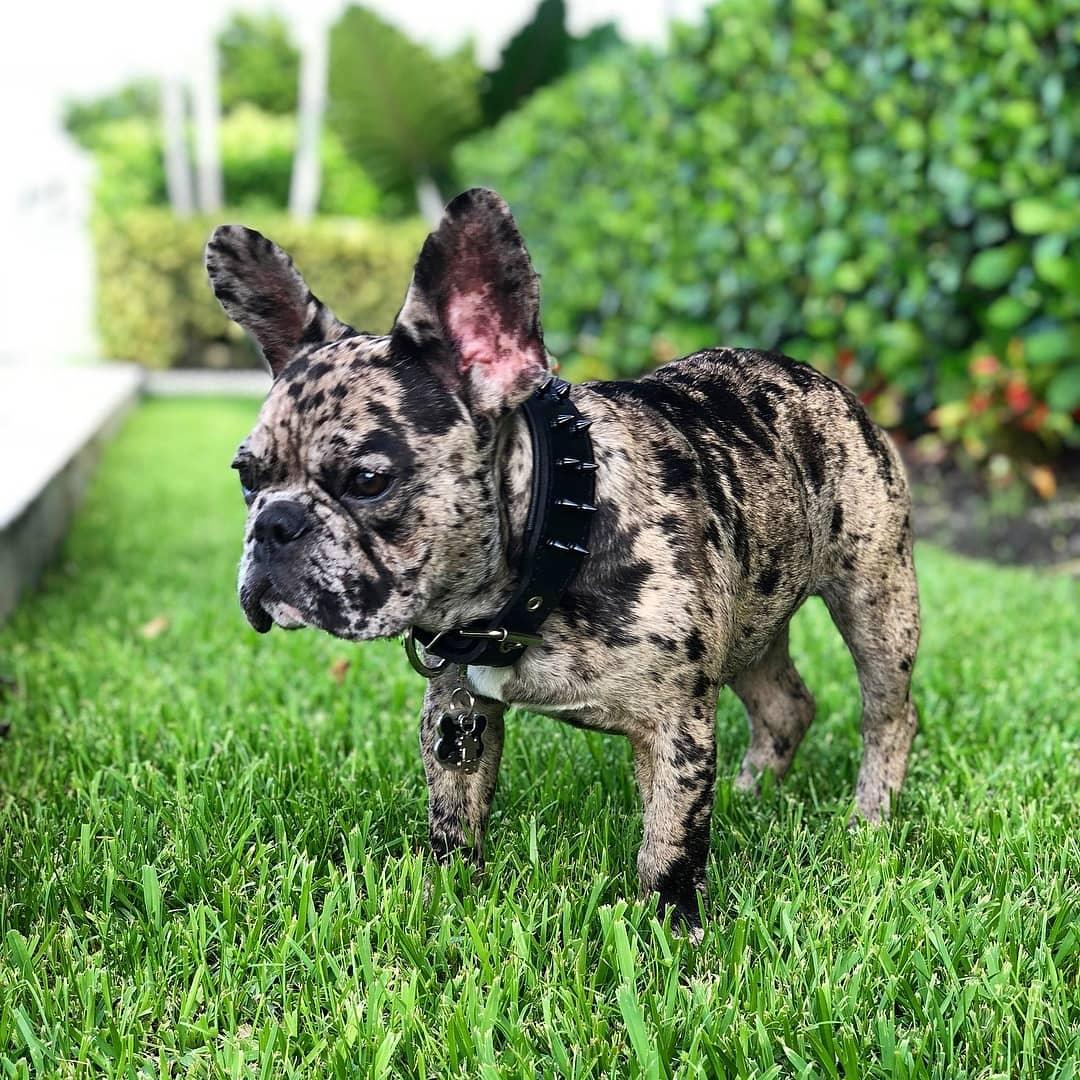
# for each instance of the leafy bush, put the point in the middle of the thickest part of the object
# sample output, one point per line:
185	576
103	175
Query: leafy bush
397	107
1004	418
258	63
536	55
130	166
84	120
155	307
893	182
257	151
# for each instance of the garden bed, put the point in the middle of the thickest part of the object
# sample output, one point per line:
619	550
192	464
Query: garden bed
212	857
955	507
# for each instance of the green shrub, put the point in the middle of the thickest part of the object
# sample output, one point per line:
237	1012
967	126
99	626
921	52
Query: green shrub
130	166
258	63
154	305
897	182
257	151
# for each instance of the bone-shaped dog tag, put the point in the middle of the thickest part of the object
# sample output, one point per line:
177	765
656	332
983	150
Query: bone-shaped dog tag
460	745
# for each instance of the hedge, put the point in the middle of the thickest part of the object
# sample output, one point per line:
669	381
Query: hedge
257	154
154	305
895	184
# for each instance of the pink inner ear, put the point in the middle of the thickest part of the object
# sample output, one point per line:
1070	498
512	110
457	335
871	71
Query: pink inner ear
500	355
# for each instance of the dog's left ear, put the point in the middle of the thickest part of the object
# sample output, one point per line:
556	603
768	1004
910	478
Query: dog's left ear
473	308
260	289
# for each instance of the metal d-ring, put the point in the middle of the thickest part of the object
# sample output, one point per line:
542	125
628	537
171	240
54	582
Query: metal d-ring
466	704
421	667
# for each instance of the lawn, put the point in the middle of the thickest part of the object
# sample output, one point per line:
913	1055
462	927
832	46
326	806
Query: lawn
212	855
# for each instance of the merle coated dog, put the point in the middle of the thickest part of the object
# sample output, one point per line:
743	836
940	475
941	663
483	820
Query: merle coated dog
388	484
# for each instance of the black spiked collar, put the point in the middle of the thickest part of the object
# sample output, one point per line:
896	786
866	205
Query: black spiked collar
555	542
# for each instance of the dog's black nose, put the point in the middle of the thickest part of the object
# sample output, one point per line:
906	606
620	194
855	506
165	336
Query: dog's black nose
280	523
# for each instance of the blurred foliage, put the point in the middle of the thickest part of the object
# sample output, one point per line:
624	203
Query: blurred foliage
86	121
258	64
130	166
593	43
1014	411
891	186
398	108
154	305
256	159
535	56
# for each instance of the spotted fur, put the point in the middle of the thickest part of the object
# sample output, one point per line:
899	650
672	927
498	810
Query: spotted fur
732	485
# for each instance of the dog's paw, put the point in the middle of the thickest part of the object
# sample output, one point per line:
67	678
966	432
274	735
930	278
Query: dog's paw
746	783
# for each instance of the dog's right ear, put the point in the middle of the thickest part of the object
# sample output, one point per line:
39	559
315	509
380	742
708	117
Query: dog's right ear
260	289
473	308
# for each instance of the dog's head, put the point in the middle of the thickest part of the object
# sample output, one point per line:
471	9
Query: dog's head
371	474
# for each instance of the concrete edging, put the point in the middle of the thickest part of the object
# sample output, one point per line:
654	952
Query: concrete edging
53	425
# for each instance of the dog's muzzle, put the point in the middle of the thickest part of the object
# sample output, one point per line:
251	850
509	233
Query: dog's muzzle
278	525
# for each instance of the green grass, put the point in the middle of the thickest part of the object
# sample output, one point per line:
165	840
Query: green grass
211	861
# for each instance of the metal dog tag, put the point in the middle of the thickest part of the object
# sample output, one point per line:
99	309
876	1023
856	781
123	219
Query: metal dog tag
460	745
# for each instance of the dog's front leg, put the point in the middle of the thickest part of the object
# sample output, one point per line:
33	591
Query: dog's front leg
677	761
459	802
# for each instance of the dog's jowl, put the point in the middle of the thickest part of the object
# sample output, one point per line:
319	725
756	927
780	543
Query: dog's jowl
391	480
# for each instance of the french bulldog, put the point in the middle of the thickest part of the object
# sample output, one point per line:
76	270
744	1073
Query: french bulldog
388	485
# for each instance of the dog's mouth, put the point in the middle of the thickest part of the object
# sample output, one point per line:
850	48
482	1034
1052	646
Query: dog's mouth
264	607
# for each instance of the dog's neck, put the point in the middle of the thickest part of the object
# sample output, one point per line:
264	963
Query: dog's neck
499	567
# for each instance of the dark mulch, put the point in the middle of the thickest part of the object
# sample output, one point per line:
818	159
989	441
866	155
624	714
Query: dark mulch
957	508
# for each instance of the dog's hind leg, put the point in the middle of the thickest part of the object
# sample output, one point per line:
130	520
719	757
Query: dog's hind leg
876	609
779	709
459	803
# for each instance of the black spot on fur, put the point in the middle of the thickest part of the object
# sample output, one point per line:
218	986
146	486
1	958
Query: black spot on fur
802	375
875	441
837	522
687	751
695	645
808	444
677	471
769	579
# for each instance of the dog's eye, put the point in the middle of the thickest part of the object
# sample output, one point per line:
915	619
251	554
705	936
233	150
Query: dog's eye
248	484
367	484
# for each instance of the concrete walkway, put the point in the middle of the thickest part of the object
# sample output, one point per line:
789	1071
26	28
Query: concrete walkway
53	421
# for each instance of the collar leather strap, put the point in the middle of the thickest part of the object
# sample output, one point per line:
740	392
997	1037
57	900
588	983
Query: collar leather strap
555	542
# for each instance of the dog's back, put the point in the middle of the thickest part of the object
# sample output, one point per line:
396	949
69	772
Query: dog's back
801	488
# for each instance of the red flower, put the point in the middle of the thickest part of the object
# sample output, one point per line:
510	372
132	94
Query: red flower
1036	418
1017	396
984	365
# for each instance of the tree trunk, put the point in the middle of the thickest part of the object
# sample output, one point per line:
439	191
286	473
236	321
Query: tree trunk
307	170
177	166
429	199
207	116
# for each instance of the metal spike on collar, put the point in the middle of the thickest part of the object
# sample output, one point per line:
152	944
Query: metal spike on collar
562	389
582	425
560	545
576	464
564	418
569	504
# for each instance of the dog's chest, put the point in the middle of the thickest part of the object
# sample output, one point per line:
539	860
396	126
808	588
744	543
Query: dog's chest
560	699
